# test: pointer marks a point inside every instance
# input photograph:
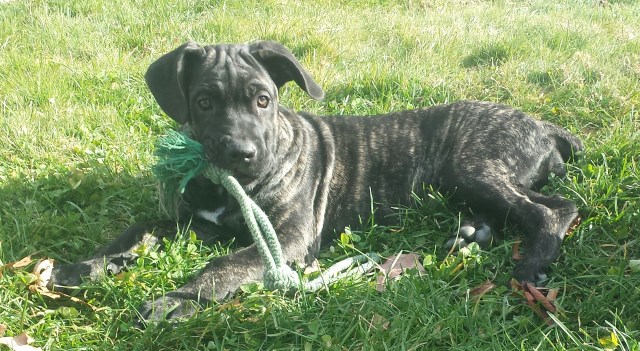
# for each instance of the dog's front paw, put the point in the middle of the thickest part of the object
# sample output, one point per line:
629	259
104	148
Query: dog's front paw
468	234
166	308
68	275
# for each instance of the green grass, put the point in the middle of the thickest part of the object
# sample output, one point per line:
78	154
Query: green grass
77	126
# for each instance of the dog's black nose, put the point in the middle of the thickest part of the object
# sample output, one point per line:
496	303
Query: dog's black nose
238	151
241	153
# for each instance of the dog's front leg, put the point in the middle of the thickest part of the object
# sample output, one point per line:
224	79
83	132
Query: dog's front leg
114	257
219	279
223	276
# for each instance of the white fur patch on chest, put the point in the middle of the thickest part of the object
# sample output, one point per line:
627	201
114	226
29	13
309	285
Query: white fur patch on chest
211	216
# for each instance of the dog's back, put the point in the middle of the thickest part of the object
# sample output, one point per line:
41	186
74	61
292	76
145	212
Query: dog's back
486	155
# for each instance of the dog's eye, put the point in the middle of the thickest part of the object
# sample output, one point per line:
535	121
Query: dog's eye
204	103
263	101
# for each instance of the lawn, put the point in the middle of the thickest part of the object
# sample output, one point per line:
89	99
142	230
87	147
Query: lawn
78	125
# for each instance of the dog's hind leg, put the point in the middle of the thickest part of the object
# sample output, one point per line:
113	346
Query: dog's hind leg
544	220
544	232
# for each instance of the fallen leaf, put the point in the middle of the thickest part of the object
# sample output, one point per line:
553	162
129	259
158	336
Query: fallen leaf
17	264
22	263
42	290
544	315
516	251
19	343
3	328
481	290
533	296
541	298
395	265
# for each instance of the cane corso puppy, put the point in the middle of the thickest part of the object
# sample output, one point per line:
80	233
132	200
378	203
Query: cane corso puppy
315	175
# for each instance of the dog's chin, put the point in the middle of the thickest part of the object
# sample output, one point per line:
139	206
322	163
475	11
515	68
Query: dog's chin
241	174
248	177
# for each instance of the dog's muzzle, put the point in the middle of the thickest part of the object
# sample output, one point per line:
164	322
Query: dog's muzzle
238	153
238	156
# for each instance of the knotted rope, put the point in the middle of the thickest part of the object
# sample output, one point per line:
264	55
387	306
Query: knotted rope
181	158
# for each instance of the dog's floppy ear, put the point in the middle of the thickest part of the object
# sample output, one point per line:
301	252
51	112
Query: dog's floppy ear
283	67
168	77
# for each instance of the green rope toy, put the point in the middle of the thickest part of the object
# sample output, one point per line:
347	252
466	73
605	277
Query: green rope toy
181	158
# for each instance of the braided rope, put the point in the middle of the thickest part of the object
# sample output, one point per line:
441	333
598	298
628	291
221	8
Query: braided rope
181	158
277	274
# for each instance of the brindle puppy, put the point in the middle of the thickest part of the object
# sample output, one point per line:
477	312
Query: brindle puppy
314	175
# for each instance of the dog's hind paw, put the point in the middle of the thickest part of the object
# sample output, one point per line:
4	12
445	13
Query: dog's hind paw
525	273
467	234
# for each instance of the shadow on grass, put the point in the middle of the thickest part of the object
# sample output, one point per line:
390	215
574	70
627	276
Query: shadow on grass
493	54
67	215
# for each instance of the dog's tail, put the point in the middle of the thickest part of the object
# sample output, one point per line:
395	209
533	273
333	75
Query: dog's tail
568	144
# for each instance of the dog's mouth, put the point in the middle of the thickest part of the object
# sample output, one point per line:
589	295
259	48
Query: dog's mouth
244	172
243	178
241	173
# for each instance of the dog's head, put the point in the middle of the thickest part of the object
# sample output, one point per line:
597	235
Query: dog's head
228	94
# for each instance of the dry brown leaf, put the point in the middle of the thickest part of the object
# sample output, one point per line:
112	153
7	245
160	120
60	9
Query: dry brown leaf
535	299
481	290
42	290
17	264
19	343
22	263
395	265
544	315
541	298
3	328
516	251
